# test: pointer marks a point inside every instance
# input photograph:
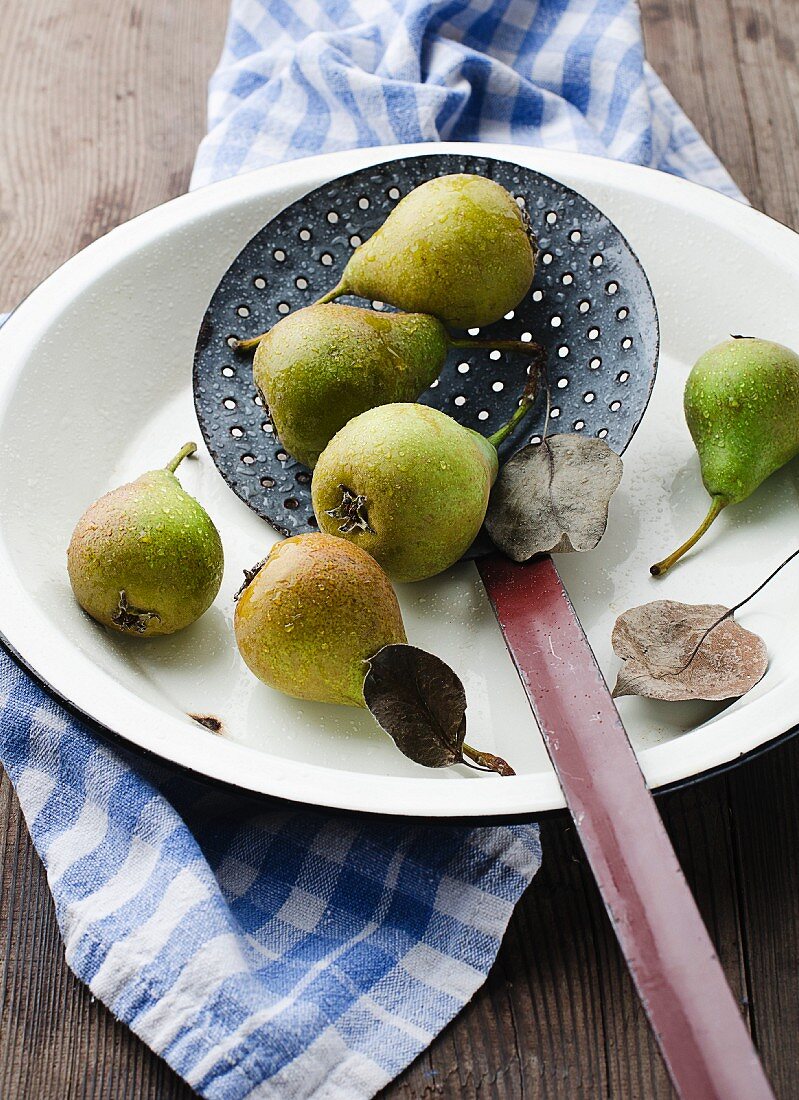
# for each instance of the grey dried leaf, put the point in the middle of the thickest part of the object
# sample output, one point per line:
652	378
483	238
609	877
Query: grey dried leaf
553	497
419	702
677	651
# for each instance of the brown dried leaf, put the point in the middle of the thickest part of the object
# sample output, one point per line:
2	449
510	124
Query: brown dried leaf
553	497
676	651
421	704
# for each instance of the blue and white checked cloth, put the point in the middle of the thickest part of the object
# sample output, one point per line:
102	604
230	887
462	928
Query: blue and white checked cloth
266	951
299	77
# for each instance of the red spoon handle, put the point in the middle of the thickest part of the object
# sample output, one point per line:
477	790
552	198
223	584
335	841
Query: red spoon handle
702	1035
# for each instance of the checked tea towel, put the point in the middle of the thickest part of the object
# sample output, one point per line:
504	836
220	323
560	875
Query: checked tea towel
266	951
299	77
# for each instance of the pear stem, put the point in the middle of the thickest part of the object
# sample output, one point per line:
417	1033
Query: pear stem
661	567
488	760
527	399
253	342
186	450
522	346
331	295
499	436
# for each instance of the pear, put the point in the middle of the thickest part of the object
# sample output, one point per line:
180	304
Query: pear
318	619
409	485
323	365
311	616
742	408
146	558
457	247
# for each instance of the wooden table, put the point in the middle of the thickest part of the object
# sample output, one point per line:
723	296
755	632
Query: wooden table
101	109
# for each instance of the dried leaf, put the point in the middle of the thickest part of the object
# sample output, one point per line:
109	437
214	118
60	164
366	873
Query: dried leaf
553	497
421	704
678	651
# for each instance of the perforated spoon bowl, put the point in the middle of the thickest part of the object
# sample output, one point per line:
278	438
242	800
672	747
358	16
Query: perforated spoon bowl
592	308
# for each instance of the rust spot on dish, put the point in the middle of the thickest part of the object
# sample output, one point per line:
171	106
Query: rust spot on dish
210	721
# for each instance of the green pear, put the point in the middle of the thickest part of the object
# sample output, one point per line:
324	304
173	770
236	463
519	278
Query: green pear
457	247
312	614
742	408
146	558
409	485
323	365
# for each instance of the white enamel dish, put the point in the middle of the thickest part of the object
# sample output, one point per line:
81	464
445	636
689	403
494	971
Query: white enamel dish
95	387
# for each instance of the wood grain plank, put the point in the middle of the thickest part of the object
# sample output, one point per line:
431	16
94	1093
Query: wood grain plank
766	837
101	109
691	44
765	44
